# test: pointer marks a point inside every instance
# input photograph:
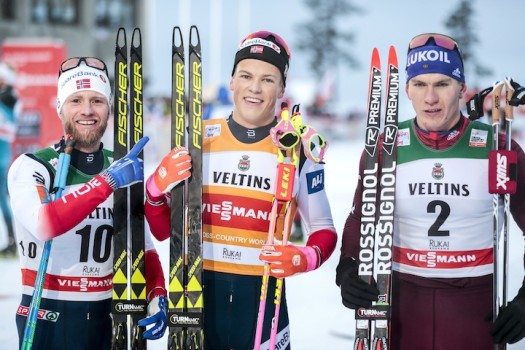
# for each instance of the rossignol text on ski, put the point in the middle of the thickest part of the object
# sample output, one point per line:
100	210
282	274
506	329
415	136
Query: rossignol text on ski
377	222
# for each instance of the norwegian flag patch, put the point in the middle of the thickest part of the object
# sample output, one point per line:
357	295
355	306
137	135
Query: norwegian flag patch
256	49
83	83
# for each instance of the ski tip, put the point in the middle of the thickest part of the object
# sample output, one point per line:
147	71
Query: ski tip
376	61
392	55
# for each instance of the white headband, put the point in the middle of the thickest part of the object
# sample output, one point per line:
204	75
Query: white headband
82	78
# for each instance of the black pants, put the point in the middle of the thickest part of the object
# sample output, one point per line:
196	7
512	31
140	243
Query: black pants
69	325
231	305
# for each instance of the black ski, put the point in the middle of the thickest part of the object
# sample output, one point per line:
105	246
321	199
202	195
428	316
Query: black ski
129	284
177	270
120	198
185	286
136	197
195	302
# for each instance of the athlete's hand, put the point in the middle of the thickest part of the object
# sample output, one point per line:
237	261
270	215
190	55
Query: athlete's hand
509	327
289	260
157	316
128	170
355	292
174	168
518	96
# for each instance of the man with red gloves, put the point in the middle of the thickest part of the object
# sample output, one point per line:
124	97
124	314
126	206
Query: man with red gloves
239	169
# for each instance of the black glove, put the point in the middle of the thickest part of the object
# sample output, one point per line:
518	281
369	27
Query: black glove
509	327
518	97
355	292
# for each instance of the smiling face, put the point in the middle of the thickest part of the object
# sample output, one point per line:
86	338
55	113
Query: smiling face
256	86
85	116
435	98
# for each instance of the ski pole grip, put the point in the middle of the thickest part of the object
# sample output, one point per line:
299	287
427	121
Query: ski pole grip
496	111
509	91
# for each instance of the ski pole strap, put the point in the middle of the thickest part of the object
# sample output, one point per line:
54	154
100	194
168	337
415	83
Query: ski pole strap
284	135
518	96
475	104
314	144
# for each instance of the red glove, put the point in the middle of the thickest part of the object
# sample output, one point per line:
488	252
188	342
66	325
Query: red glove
290	259
174	168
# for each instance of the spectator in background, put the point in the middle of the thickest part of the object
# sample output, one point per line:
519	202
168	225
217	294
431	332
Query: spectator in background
8	112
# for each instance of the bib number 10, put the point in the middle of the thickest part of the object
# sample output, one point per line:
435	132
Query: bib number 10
101	249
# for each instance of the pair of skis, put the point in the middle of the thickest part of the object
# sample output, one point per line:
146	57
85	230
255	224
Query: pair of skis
129	303
185	293
377	221
288	136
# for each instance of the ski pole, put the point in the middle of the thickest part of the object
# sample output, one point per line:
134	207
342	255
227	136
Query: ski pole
58	185
509	91
497	88
286	137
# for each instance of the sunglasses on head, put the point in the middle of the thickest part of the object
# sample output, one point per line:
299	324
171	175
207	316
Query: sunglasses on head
441	40
264	34
74	62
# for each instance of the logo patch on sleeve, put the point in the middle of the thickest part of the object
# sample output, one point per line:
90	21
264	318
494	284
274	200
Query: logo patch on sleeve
315	181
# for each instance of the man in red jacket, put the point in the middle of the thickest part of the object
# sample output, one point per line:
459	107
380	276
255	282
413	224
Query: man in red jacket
443	240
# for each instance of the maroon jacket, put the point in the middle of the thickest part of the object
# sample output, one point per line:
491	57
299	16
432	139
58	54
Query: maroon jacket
438	313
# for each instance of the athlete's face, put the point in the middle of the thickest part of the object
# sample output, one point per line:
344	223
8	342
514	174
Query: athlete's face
85	116
256	87
435	98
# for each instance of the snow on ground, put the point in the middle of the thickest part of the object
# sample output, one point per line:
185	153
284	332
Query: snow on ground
318	319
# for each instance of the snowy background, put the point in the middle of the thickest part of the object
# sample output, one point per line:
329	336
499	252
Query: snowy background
318	319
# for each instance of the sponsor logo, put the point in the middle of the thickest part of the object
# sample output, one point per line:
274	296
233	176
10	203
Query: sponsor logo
428	56
440	189
184	320
438	245
121	307
403	137
501	176
43	314
453	135
441	260
457	73
315	181
367	229
90	271
259	41
227	210
241	180
231	254
212	130
244	163
438	172
84	284
478	138
372	313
